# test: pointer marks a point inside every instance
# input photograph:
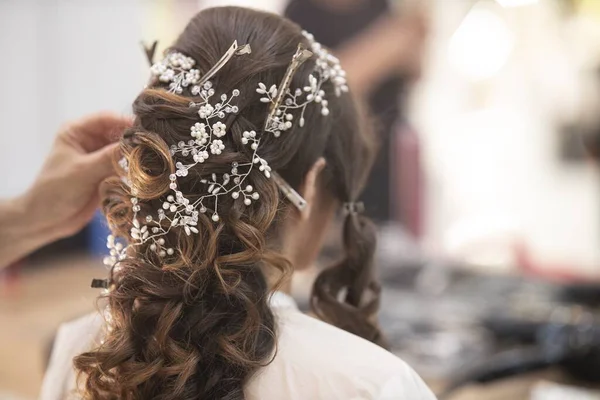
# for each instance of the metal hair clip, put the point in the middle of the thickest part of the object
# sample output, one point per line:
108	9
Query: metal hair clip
100	283
234	50
289	192
178	70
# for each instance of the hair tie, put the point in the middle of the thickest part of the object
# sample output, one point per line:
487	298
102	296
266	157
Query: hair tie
353	207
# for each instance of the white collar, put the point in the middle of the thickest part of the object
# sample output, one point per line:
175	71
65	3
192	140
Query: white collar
282	300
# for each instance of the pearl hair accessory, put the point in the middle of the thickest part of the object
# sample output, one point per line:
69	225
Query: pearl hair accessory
205	141
283	99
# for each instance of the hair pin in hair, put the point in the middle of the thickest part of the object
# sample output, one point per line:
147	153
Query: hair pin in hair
353	207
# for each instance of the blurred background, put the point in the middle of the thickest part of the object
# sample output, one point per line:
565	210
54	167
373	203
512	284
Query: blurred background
486	189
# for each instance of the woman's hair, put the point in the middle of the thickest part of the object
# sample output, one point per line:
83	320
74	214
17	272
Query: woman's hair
196	324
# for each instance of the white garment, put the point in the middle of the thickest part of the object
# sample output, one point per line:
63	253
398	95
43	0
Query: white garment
314	361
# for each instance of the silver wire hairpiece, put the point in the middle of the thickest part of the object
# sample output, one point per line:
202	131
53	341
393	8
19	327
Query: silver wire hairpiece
178	211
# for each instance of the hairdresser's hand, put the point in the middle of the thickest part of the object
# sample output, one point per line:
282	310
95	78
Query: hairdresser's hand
64	196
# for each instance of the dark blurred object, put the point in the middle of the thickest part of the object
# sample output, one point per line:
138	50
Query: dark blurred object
573	346
73	244
333	26
587	294
591	144
443	319
91	239
581	139
574	144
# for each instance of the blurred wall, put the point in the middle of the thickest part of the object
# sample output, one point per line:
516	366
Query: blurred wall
61	59
496	180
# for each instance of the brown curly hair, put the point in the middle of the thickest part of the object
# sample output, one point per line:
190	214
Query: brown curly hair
196	324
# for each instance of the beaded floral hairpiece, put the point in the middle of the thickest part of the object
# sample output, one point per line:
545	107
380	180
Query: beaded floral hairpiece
178	211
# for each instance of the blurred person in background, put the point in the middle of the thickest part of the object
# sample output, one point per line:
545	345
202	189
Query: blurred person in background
381	45
193	310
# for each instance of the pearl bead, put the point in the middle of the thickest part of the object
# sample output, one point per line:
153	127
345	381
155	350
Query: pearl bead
235	195
249	188
215	217
247	201
255	195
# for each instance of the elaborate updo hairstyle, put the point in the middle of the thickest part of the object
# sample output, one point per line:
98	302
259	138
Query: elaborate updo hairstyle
195	323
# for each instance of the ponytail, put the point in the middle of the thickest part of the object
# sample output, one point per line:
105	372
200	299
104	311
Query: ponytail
347	294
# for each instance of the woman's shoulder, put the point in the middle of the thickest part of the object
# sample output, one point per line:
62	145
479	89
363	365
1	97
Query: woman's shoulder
317	360
314	360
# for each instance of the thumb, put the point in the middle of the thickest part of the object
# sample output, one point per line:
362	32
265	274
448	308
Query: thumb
100	163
